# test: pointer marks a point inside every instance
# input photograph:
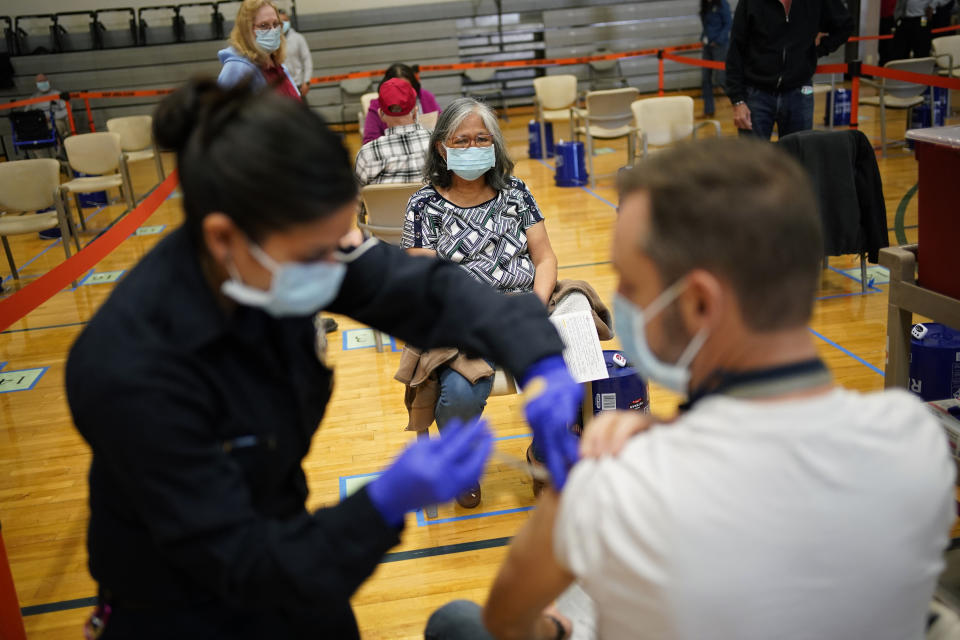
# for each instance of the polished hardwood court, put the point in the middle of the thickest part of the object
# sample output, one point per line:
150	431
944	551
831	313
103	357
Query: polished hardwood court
43	481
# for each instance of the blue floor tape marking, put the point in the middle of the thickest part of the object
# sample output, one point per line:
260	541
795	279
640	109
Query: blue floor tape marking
845	350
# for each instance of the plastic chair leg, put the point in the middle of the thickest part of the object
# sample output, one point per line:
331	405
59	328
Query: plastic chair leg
65	237
431	510
13	266
593	175
863	273
76	201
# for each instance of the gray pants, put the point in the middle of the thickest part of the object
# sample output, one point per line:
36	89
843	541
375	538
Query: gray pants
457	620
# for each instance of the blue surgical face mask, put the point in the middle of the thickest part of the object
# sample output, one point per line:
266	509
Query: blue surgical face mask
43	86
472	162
269	39
296	289
286	27
631	323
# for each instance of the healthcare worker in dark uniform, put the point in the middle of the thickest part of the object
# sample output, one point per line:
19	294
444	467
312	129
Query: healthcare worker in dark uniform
198	387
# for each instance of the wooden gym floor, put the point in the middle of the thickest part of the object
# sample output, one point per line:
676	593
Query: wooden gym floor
43	478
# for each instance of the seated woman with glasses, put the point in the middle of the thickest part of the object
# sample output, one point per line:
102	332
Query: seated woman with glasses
475	213
257	50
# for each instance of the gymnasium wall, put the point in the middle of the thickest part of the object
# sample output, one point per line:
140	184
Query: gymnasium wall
15	8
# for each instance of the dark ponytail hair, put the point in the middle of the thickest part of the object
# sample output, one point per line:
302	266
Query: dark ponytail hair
266	161
400	70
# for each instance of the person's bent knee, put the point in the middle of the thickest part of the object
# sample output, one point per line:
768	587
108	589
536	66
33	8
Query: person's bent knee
457	620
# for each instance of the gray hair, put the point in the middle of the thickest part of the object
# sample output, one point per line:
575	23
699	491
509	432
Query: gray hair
435	170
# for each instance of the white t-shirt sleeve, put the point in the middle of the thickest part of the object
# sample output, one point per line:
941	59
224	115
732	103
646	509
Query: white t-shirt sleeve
577	533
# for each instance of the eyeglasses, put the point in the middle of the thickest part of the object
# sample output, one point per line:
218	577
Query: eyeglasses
462	142
266	26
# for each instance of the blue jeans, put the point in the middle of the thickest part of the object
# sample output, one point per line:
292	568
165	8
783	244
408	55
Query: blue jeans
460	399
457	620
711	77
791	111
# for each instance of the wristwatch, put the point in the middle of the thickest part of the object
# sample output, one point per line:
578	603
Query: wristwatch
738	103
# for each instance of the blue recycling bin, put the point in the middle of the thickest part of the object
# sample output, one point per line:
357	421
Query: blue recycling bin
935	361
920	117
624	390
839	102
535	150
571	165
94	199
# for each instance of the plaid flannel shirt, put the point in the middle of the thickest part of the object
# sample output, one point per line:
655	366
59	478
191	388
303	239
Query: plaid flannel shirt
397	156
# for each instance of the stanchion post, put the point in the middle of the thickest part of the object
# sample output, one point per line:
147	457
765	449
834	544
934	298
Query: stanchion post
73	123
853	68
11	623
659	72
93	127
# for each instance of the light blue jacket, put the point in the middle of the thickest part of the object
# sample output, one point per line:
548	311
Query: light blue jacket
237	68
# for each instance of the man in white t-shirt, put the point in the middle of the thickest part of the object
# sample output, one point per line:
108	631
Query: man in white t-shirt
776	504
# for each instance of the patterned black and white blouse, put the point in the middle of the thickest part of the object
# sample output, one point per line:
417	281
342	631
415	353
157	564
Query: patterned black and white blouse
488	240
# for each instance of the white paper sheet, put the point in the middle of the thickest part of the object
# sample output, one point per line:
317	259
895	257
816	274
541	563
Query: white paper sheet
582	351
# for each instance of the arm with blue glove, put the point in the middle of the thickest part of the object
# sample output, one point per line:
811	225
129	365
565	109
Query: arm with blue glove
432	471
552	400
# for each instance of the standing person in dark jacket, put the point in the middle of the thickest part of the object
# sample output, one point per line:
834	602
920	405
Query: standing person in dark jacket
198	388
715	17
774	46
912	36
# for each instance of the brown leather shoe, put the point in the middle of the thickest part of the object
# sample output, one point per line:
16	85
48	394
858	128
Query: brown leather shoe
470	498
537	484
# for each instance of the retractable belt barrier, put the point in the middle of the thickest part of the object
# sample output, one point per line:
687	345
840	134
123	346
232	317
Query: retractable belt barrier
33	295
43	288
667	53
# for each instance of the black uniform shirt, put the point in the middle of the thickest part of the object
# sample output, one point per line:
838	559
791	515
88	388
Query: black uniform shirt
199	420
777	53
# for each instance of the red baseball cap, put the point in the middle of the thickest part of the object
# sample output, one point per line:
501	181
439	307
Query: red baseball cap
397	97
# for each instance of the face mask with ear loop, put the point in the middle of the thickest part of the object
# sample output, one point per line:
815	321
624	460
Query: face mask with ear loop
269	40
296	289
631	323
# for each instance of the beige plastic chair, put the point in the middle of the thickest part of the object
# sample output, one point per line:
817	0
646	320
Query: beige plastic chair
605	74
27	186
352	89
136	140
99	155
429	120
489	87
608	115
946	49
386	208
666	120
365	101
897	94
553	99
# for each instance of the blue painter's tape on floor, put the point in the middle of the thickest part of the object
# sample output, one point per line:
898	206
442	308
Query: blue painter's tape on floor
423	522
364	339
21	380
846	351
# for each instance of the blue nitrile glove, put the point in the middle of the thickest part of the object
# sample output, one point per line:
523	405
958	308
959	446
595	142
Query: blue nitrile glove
553	399
433	471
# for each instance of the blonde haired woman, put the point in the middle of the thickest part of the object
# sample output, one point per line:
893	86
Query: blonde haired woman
257	50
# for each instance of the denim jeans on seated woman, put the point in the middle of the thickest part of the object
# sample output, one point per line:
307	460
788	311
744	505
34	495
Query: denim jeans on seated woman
791	111
460	399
